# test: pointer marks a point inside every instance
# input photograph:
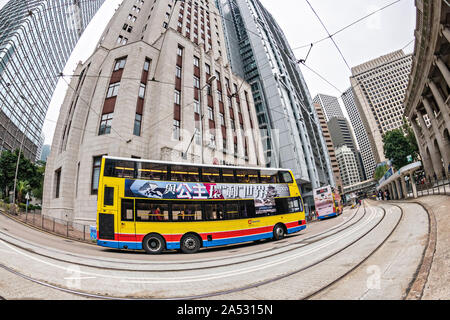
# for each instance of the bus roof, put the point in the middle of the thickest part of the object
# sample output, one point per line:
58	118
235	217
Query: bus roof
193	164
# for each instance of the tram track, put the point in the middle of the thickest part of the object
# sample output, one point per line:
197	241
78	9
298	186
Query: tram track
225	292
343	276
281	250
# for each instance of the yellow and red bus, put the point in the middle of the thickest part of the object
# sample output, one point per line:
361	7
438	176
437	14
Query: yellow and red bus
157	206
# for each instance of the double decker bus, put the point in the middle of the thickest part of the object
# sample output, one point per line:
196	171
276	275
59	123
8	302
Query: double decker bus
157	206
327	202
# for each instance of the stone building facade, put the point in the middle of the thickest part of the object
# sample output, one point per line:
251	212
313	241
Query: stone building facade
427	97
157	87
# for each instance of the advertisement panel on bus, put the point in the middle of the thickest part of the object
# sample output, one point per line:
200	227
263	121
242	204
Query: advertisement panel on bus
263	194
324	202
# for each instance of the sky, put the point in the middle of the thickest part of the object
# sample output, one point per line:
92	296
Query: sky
384	32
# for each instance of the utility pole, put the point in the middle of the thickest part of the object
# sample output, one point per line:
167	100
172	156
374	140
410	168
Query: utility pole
18	157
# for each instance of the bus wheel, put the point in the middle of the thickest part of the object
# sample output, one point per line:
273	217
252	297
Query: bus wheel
153	243
190	243
279	232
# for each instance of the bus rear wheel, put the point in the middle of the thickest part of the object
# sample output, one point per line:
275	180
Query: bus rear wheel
153	243
190	243
279	232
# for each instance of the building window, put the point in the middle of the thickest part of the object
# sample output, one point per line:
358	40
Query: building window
96	166
180	51
176	129
198	138
113	90
196	106
147	65
137	125
177	97
212	141
142	90
221	119
105	124
210	113
178	72
120	64
57	182
196	62
196	82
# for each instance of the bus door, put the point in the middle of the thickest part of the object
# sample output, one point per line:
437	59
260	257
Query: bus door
126	225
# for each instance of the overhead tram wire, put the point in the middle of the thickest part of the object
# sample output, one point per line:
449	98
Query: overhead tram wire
329	35
348	26
329	83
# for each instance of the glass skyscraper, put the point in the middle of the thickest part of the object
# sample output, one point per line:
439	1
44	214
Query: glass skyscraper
289	125
37	38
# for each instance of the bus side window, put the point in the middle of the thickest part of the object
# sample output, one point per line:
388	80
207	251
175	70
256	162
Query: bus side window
127	210
232	211
151	171
186	212
294	205
269	176
247	176
285	177
213	211
228	176
108	196
211	175
282	205
151	211
247	209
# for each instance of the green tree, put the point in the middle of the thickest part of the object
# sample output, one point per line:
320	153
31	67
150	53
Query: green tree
380	171
397	147
28	171
22	188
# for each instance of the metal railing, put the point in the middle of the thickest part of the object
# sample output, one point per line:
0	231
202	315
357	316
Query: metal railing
67	229
429	188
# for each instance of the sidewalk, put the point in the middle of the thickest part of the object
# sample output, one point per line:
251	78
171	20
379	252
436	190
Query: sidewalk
436	281
437	286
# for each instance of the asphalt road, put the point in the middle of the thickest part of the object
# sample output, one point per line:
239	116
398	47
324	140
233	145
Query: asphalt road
370	253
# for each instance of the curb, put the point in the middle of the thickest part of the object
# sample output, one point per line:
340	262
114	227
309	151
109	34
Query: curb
417	287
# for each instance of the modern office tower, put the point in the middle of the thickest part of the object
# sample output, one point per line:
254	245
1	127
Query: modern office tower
158	87
347	165
379	88
427	98
365	148
330	106
341	135
36	40
292	136
330	147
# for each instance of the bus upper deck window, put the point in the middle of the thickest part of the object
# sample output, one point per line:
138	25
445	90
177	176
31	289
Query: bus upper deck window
247	176
184	174
269	176
152	171
286	177
124	169
211	175
228	176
